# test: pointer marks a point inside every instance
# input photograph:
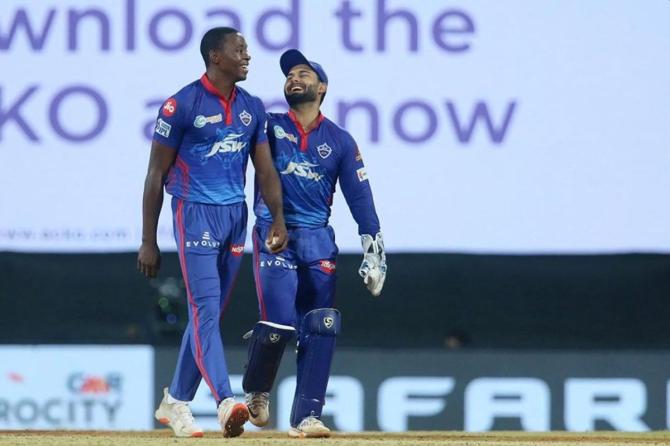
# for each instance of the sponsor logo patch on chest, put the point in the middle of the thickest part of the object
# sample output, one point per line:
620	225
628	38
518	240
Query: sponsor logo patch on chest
231	143
280	133
302	169
202	120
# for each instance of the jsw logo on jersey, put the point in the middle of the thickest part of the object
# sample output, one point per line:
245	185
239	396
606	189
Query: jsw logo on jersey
237	250
229	144
302	169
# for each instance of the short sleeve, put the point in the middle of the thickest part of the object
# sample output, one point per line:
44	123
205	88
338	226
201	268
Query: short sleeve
169	124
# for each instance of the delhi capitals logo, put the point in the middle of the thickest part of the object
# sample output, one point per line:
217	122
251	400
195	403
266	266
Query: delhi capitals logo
324	150
245	117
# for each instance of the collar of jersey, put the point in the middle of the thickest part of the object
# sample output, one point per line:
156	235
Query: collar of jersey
225	103
304	135
209	86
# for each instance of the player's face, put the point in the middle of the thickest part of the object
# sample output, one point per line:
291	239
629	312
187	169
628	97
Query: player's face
232	57
302	85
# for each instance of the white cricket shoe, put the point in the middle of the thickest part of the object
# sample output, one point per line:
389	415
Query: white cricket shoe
258	404
178	416
232	417
310	427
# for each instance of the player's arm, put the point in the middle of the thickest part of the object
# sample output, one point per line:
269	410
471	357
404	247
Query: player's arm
160	160
270	187
358	194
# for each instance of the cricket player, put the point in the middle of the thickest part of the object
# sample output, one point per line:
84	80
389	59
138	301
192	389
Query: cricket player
203	138
296	288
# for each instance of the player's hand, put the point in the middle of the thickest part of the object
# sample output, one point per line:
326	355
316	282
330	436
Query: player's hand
149	259
277	238
373	268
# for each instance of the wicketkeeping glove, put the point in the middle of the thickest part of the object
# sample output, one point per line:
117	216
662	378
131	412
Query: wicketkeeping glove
373	268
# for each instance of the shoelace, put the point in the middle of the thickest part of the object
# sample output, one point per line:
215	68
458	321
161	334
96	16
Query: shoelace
184	413
255	400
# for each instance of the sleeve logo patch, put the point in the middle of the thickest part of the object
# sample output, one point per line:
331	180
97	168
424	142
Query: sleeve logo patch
163	128
169	107
358	155
362	174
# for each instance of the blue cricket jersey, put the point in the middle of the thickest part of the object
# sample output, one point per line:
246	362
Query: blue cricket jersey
309	166
213	137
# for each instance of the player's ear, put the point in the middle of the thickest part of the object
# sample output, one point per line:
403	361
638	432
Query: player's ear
322	87
213	57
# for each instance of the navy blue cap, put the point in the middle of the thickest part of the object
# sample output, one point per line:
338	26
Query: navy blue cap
293	57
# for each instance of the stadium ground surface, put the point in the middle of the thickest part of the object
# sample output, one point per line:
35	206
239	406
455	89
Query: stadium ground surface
270	438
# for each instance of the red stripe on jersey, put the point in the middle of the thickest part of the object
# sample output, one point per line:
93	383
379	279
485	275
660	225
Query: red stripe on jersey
304	135
226	103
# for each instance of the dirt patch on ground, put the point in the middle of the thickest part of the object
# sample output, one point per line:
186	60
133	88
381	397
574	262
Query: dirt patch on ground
274	438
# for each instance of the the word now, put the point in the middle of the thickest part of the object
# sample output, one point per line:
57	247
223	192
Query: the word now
414	121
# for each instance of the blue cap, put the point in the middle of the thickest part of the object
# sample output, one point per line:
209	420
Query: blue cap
293	57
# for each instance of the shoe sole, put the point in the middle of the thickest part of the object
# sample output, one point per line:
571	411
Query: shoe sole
166	422
239	415
255	421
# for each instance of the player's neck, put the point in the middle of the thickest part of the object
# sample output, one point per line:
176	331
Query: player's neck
306	114
223	85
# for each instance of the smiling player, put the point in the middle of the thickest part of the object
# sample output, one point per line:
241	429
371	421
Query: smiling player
203	138
296	289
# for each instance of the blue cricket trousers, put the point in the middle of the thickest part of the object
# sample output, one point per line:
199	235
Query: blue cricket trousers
210	242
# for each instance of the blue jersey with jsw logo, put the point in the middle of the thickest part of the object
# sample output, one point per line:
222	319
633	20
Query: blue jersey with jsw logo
309	166
213	137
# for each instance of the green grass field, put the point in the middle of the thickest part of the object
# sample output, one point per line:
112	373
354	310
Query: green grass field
273	438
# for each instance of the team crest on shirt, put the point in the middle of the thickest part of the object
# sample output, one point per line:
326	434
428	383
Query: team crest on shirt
324	150
245	117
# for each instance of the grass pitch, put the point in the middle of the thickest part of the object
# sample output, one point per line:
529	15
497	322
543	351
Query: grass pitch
274	438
